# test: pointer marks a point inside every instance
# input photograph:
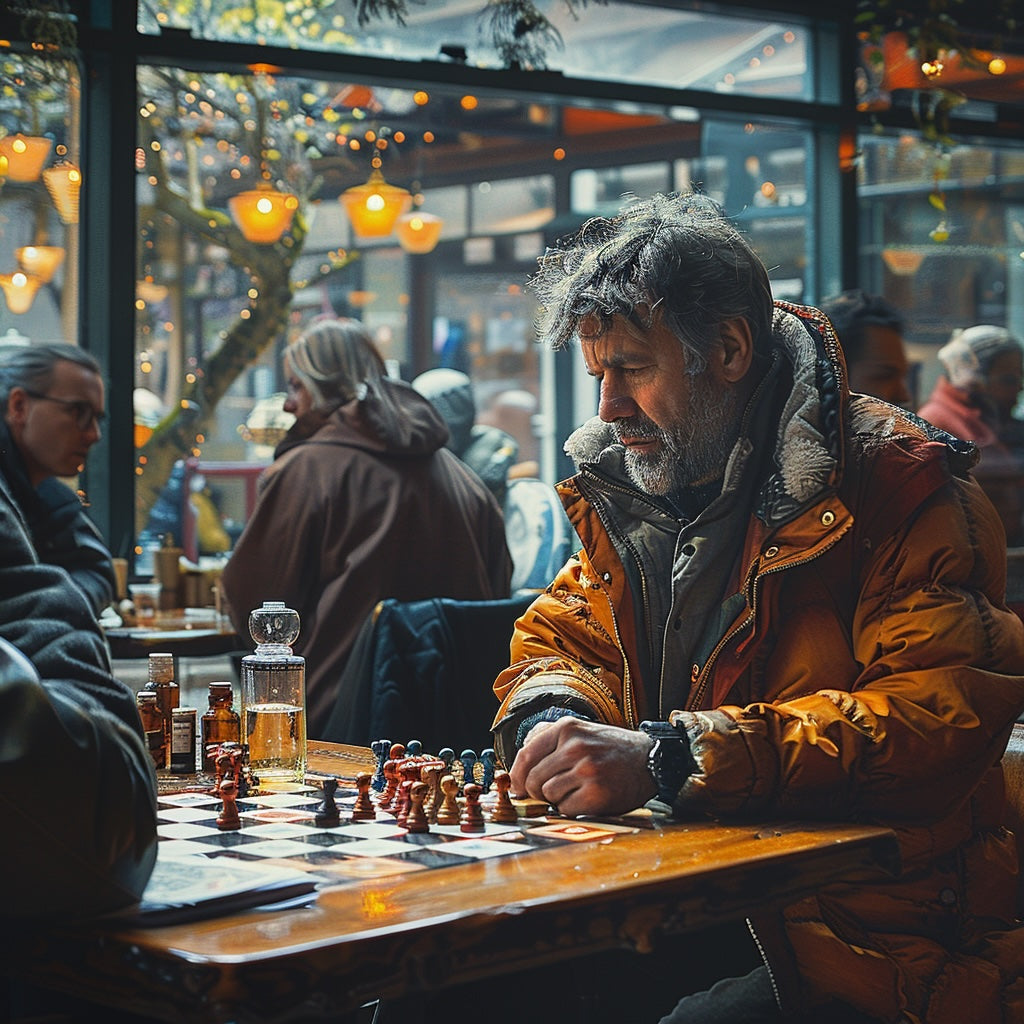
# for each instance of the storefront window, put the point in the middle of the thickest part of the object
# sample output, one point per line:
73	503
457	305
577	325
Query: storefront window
942	236
40	167
693	49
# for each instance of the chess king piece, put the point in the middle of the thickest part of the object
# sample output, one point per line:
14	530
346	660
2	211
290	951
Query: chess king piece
274	695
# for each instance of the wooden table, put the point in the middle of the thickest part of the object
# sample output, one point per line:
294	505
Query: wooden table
178	634
412	932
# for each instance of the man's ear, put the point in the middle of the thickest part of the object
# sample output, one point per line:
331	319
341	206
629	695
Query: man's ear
17	406
737	351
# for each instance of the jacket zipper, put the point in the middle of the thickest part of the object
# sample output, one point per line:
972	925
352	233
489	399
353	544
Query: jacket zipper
693	704
597	504
767	963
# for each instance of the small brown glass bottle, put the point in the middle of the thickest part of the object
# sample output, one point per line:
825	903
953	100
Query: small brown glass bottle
221	724
152	726
162	682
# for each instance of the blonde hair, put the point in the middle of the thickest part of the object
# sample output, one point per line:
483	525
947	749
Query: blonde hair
336	361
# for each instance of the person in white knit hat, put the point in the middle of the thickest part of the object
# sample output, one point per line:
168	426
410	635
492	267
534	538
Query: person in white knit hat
974	400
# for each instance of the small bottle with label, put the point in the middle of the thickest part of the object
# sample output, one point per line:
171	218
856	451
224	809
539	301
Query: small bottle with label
221	724
163	683
183	741
152	726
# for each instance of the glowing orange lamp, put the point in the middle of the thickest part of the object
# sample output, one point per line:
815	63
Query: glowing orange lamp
418	232
25	155
263	214
374	206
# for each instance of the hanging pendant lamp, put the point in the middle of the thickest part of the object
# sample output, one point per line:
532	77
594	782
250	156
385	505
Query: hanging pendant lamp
263	214
374	206
41	260
64	182
25	156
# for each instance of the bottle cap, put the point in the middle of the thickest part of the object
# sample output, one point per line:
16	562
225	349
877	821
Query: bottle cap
161	668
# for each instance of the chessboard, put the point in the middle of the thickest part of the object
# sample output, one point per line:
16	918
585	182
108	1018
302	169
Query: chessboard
343	830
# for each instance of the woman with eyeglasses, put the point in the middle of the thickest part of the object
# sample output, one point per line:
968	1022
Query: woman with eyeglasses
53	402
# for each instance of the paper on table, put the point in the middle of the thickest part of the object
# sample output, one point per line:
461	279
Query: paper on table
189	888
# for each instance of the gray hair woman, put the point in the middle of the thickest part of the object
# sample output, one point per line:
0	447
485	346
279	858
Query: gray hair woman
362	502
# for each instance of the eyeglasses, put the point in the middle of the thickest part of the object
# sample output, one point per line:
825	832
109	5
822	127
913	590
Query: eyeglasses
85	415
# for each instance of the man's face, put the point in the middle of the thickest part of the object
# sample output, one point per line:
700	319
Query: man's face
1003	381
48	432
881	369
677	428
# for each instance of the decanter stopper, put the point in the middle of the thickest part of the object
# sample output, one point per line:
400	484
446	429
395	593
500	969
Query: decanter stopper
274	627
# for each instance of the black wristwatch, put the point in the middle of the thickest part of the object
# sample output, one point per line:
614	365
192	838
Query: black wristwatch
669	761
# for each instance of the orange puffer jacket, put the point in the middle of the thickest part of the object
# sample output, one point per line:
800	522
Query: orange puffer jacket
872	673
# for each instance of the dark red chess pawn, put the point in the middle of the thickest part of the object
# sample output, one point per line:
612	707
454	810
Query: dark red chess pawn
416	820
363	809
391	783
228	819
402	802
472	819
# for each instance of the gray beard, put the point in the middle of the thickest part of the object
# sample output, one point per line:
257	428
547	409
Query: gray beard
693	451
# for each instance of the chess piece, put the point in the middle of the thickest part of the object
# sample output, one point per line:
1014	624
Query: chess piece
363	809
401	807
416	820
447	757
414	748
228	819
472	818
503	812
380	748
489	761
391	783
448	812
468	759
431	775
327	814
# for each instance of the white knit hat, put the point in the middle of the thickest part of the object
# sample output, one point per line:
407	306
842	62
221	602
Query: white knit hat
968	354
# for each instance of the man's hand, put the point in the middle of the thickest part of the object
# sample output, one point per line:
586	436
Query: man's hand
584	768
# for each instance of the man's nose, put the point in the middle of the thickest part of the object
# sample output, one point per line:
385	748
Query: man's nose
289	404
614	405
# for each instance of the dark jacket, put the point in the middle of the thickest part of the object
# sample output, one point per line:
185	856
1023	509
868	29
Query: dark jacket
77	785
61	532
858	663
362	503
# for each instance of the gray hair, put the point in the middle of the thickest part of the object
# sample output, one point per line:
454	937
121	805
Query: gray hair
675	258
335	360
32	366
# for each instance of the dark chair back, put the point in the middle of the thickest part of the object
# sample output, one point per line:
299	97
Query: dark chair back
1013	773
424	670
